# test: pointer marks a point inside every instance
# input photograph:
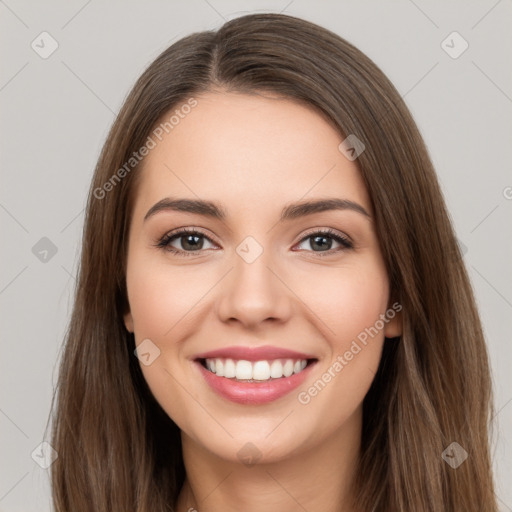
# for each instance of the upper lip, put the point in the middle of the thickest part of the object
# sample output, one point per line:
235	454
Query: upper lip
266	352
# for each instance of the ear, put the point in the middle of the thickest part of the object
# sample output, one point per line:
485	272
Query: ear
128	321
393	326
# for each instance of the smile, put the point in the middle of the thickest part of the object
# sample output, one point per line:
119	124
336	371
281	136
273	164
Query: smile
254	371
253	383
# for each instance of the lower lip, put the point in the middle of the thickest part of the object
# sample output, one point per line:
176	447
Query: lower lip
252	393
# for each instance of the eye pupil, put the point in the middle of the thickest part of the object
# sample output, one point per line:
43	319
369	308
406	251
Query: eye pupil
319	241
192	245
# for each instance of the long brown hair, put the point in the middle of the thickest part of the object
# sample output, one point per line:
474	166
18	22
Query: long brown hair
119	451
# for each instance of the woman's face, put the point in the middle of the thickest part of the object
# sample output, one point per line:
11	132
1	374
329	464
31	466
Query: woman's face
260	289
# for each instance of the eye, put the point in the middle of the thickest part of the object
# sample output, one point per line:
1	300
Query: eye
191	241
322	240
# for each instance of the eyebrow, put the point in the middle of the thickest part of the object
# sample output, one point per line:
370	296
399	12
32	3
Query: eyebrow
289	212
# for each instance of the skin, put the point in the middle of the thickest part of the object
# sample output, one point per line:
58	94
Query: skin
254	154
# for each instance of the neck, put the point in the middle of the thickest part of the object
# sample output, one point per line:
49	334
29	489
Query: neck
317	480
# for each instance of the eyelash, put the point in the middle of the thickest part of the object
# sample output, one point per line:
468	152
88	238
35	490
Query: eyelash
164	242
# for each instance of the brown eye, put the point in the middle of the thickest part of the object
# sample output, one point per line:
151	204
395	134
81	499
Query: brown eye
190	240
322	242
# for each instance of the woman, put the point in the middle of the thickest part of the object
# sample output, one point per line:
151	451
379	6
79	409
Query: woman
271	311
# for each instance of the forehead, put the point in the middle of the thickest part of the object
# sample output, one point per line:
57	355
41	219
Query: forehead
245	150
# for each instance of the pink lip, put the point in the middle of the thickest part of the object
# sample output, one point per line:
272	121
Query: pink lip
267	353
253	393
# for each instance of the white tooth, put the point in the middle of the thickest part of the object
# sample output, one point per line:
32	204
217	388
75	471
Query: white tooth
243	370
288	368
261	370
219	367
229	369
276	369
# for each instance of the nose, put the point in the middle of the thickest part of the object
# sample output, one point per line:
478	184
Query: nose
254	292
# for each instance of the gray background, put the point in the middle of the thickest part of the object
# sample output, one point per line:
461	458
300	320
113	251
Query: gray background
56	113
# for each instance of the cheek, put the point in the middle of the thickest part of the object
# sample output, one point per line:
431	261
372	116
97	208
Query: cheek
352	309
162	297
346	300
163	303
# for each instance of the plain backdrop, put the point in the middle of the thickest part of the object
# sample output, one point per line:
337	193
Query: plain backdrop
57	109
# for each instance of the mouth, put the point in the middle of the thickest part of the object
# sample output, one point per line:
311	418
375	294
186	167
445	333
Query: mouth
253	382
255	371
